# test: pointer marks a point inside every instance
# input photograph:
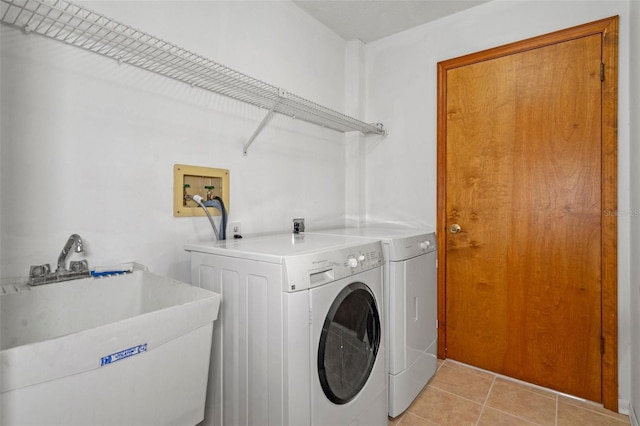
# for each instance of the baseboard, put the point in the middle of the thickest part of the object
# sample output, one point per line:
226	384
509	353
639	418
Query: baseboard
632	416
623	406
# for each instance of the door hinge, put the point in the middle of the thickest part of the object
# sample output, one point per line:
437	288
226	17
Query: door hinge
601	71
602	345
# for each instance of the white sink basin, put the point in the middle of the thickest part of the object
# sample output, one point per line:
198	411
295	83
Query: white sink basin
128	349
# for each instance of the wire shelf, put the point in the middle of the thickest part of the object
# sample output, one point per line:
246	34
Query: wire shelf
75	25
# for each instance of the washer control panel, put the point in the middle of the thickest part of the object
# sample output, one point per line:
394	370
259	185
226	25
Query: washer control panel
305	271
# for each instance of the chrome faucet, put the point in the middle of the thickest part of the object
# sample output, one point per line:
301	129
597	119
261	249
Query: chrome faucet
73	241
41	274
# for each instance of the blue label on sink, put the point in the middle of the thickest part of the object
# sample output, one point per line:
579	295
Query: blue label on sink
123	354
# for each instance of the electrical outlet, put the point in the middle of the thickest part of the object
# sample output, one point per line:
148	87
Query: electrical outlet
236	228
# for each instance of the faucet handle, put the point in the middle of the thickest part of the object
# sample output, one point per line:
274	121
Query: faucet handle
79	265
39	270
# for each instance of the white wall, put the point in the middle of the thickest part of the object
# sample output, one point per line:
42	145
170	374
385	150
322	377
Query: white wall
401	89
88	146
634	298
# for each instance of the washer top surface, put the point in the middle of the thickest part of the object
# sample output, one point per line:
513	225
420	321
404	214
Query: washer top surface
276	247
306	260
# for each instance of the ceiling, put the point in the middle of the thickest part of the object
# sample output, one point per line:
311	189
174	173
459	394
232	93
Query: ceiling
371	20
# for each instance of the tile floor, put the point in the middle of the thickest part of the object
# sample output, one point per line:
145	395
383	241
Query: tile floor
460	395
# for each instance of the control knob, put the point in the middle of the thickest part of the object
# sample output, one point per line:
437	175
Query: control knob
352	262
425	245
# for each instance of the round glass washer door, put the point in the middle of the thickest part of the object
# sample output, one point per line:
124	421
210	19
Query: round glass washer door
349	343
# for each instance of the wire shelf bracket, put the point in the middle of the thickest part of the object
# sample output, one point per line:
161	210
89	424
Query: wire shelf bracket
72	24
263	123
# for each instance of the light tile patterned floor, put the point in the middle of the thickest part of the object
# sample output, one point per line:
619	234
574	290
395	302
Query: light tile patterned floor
460	395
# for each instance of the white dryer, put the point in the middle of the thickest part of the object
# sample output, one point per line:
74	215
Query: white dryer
299	338
410	292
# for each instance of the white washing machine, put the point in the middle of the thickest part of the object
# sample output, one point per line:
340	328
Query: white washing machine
299	338
410	291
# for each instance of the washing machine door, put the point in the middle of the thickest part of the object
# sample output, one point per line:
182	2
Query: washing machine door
349	343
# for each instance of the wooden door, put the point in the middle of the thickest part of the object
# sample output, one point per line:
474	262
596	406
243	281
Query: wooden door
522	221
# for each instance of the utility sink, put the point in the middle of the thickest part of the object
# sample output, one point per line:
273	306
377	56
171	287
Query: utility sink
126	349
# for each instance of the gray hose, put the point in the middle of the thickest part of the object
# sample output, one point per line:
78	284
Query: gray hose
198	200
